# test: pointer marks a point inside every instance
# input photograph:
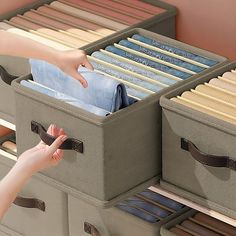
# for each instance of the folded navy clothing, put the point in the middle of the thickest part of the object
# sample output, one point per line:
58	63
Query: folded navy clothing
65	98
149	207
103	56
162	56
162	200
102	92
137	212
175	50
148	62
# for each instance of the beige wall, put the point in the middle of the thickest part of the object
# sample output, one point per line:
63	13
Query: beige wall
209	24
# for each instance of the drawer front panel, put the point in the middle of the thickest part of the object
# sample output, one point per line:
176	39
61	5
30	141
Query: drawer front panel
52	221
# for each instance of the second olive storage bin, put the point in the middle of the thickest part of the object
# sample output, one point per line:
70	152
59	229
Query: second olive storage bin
120	151
85	218
199	161
193	222
39	209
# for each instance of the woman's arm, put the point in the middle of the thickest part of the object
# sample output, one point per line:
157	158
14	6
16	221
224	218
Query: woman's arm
68	61
35	159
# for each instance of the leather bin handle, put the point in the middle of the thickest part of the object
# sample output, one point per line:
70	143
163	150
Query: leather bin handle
207	159
69	144
90	229
30	203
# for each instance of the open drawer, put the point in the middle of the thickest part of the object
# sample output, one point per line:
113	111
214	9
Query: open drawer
113	154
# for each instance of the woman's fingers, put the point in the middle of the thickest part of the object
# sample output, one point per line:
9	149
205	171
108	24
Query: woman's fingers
76	75
87	64
56	144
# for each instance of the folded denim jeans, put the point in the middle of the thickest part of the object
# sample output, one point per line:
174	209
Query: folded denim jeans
175	50
130	90
148	62
161	199
133	68
162	56
154	87
137	212
102	91
65	98
149	207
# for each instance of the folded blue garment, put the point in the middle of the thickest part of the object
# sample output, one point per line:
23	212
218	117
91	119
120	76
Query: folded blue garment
147	62
162	200
149	207
137	212
132	79
175	50
162	56
65	98
131	91
102	92
137	69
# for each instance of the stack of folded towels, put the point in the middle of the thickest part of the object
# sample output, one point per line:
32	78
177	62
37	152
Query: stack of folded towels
216	98
74	24
131	70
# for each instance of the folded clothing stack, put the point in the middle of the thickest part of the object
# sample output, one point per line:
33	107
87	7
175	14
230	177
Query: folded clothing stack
216	98
74	24
8	140
101	97
146	65
204	225
139	65
150	206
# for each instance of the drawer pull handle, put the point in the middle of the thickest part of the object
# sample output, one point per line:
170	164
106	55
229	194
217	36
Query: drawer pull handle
90	229
30	203
69	144
207	159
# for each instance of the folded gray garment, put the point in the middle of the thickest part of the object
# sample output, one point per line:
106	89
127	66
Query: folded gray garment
65	98
102	91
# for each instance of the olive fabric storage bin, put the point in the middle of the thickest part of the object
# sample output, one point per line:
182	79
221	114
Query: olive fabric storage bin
84	218
165	228
209	140
4	231
162	23
39	209
193	222
121	150
14	66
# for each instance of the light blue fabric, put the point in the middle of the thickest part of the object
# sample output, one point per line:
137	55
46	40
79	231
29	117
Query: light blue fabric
131	91
137	212
147	62
175	50
137	69
65	98
149	207
102	92
162	200
129	78
162	56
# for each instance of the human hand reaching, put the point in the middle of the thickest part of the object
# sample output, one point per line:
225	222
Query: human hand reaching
69	62
35	159
42	156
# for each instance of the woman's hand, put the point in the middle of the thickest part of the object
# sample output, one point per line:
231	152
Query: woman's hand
35	159
69	62
43	156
